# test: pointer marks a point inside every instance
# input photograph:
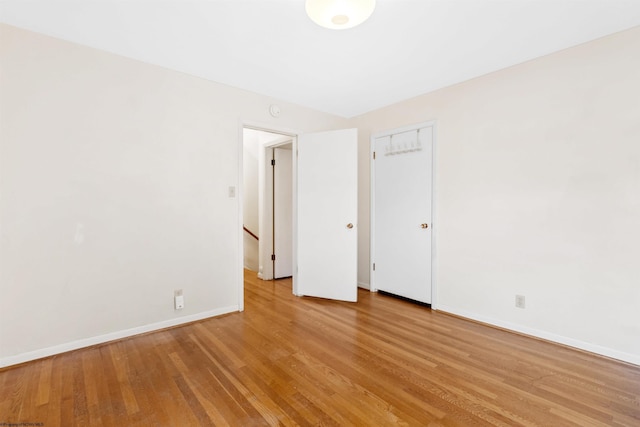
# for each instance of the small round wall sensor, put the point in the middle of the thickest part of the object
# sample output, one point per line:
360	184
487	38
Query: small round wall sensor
274	110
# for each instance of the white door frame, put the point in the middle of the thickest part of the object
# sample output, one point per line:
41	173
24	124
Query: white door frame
293	134
434	223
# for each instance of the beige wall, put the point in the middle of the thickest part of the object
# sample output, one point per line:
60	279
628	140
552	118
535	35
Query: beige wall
114	179
537	193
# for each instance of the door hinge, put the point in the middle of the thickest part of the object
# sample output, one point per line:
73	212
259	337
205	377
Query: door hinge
374	266
273	257
273	162
374	155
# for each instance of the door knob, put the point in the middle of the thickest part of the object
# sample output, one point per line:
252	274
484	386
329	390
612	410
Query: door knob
425	225
349	225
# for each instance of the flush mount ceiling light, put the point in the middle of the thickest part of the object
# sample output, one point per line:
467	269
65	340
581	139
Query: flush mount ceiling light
339	14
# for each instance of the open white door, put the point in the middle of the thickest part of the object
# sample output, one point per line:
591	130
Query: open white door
327	197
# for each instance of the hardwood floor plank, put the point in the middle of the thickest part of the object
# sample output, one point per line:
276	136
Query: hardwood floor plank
120	365
194	405
45	368
53	407
92	383
66	389
293	361
21	398
80	410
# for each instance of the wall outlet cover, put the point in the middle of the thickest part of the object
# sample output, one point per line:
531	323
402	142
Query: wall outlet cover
179	302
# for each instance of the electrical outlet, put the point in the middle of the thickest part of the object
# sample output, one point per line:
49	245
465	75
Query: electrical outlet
520	303
178	299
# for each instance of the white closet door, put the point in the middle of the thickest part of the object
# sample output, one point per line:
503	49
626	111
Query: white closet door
402	210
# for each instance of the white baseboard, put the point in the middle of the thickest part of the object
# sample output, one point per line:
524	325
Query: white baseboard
549	336
112	336
364	285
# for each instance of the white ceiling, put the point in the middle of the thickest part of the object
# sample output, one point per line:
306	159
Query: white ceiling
408	47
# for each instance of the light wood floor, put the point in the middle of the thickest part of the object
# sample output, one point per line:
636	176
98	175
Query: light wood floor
305	361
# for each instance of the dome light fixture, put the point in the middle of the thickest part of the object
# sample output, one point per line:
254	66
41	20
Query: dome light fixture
339	14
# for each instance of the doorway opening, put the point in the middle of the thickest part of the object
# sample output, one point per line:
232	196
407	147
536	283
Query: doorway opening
268	177
324	211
